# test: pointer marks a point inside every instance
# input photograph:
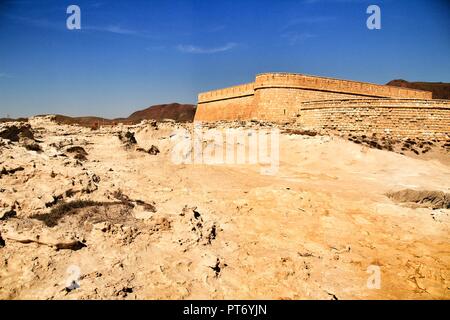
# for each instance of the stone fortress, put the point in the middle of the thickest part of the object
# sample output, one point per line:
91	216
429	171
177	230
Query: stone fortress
321	103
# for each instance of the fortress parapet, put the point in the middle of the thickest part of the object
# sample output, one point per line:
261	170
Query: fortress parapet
306	82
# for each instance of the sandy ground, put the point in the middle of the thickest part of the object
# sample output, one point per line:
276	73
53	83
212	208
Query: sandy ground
316	229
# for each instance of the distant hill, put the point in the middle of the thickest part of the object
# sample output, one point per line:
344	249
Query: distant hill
440	90
174	111
82	121
13	120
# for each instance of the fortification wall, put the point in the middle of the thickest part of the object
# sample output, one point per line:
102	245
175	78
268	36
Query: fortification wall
238	108
233	103
330	104
393	117
275	96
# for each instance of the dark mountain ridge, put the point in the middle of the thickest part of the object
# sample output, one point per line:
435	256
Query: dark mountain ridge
440	90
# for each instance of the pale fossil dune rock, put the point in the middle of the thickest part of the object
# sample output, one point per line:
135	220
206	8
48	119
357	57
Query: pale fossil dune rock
125	224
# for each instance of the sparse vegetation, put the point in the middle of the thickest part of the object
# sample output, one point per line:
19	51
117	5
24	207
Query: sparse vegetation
33	147
301	132
127	139
79	153
66	208
14	133
124	199
425	198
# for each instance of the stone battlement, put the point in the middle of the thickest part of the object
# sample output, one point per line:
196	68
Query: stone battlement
290	80
227	93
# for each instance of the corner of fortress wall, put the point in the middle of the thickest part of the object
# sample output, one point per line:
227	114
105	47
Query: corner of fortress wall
319	102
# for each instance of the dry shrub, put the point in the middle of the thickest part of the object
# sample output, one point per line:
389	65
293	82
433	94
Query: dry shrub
425	198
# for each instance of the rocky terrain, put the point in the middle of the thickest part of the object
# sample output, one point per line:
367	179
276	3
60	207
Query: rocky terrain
108	214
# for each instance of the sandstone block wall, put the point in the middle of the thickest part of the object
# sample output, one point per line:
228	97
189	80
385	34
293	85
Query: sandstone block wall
393	117
226	104
237	108
281	104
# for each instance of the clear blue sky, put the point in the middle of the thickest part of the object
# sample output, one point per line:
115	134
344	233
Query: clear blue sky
132	54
